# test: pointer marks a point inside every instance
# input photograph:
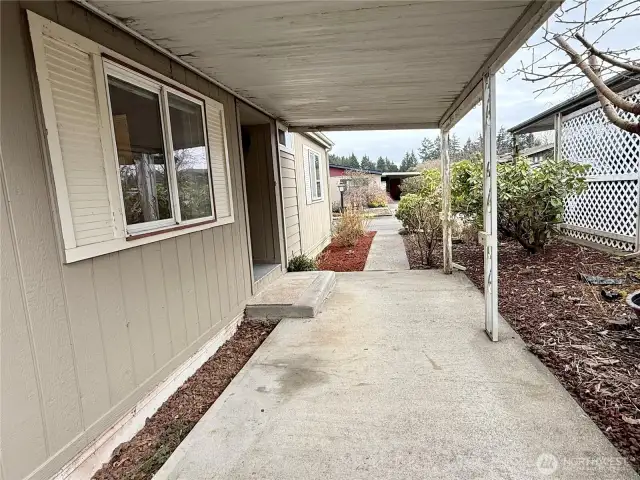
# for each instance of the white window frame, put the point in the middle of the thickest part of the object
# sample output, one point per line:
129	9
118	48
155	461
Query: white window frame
289	144
136	79
314	180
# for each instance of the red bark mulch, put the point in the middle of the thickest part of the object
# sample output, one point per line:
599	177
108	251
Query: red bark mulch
346	259
590	344
142	456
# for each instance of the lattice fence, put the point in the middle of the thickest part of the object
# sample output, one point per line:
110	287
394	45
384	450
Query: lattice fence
607	213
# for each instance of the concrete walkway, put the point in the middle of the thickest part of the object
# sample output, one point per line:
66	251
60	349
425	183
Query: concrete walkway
395	379
387	250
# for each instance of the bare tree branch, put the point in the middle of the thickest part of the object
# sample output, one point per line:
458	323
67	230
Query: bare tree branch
631	67
607	106
596	80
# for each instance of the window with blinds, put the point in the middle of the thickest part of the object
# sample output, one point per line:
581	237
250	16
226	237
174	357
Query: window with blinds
135	157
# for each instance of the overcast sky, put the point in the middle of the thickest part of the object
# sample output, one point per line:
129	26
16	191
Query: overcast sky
516	102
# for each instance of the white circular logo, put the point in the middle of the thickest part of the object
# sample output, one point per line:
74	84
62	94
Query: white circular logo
547	463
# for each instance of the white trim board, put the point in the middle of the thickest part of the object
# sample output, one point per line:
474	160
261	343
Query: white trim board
98	452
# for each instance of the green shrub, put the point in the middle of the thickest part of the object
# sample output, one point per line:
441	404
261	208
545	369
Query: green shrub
301	263
530	200
376	203
420	217
427	183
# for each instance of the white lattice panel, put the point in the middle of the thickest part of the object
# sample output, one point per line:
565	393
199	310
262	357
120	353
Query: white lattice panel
606	213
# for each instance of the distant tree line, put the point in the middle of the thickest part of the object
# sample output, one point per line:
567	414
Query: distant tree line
429	152
381	165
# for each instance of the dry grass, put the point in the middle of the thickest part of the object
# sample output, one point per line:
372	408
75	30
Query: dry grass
351	226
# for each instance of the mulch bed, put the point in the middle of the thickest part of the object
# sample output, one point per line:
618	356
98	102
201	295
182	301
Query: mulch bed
568	325
346	259
414	257
144	454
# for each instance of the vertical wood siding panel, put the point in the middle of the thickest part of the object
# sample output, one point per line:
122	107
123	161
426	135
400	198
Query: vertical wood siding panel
171	272
137	313
270	194
239	189
38	255
201	285
157	297
211	267
23	432
223	284
108	288
232	268
87	340
314	218
188	288
241	249
71	393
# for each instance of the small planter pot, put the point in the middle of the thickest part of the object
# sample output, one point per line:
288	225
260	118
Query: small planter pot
633	300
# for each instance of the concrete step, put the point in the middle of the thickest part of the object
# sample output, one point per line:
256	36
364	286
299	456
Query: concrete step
294	295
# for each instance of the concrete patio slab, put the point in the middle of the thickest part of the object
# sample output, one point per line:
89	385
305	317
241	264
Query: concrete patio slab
387	250
395	379
294	295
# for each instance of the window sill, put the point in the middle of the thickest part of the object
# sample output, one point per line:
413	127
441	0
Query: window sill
85	252
288	150
172	228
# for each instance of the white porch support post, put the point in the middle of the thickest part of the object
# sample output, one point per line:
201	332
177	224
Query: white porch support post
445	168
490	206
557	136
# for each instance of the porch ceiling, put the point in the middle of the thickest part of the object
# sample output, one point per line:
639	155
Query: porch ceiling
339	65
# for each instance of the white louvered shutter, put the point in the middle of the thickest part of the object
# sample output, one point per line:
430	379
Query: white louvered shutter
74	102
219	161
307	174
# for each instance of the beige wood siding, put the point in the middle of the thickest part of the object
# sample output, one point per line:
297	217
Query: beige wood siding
290	203
83	342
315	218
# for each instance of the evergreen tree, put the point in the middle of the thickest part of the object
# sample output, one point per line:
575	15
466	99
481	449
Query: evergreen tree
409	161
426	150
390	166
367	164
504	141
352	161
454	147
381	165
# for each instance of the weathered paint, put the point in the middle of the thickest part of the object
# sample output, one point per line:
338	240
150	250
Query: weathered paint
83	342
306	62
445	166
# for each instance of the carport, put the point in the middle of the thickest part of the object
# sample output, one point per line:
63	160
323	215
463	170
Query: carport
357	65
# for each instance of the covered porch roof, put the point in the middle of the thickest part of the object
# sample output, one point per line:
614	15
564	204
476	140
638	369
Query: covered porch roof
336	65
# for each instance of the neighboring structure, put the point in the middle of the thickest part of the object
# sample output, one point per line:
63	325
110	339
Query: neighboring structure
340	174
306	191
393	182
141	182
534	154
607	213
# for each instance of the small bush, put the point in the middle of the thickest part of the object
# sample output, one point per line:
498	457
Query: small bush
351	225
301	263
364	191
530	200
410	185
377	203
420	216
